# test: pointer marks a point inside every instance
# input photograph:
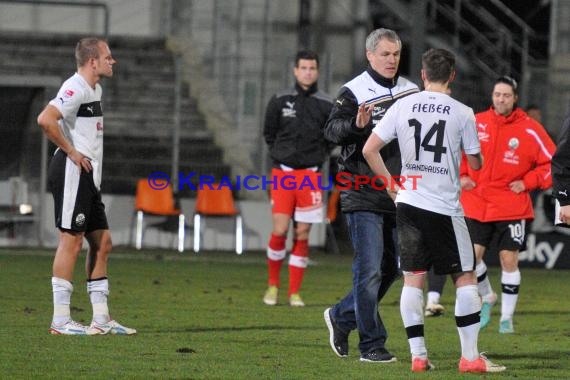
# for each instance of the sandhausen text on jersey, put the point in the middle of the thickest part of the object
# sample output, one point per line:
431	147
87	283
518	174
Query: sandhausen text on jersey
427	168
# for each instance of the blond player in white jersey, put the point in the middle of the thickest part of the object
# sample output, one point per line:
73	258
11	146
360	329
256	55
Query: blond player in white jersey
73	121
432	130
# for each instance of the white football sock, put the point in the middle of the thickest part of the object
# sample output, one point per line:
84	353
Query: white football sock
483	283
62	290
467	308
433	298
411	309
510	283
98	291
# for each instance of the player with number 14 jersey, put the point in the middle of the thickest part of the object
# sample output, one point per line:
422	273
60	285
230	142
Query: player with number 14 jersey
431	128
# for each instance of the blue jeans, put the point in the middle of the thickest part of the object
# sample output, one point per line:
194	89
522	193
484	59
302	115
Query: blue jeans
374	269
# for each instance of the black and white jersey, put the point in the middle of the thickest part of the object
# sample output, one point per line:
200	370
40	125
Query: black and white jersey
380	93
82	122
432	128
367	90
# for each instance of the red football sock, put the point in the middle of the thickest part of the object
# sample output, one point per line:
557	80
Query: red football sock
275	256
297	265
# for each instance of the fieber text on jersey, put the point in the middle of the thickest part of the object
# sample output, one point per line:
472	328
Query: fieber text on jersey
431	108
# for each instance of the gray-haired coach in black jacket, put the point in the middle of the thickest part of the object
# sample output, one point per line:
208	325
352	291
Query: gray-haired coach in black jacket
369	212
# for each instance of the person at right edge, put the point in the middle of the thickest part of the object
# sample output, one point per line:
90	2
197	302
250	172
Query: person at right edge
561	171
370	213
496	199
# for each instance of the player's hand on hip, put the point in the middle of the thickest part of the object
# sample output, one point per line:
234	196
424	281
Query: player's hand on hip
392	194
363	115
80	160
467	183
393	191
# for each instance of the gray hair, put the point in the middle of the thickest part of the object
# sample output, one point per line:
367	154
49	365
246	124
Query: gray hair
378	34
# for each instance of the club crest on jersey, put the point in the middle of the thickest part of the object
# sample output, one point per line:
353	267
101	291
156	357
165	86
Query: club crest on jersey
80	219
289	111
510	156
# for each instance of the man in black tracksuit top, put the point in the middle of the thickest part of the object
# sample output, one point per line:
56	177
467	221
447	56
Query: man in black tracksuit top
294	123
561	171
370	213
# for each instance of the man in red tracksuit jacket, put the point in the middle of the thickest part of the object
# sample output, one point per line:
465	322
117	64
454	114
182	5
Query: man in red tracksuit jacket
517	152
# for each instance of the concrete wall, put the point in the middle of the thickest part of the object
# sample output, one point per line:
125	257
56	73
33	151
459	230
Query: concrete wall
127	17
246	48
559	65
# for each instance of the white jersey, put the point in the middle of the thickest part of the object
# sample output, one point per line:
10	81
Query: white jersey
82	122
432	128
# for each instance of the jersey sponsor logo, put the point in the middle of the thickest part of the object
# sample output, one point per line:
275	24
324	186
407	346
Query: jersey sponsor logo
378	111
289	111
68	93
510	156
483	136
481	132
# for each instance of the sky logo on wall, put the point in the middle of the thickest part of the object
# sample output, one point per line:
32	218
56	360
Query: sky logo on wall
542	251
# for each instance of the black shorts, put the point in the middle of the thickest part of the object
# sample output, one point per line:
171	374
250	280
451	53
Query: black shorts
77	202
430	239
504	235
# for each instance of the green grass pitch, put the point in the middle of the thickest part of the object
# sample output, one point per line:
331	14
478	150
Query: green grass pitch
200	316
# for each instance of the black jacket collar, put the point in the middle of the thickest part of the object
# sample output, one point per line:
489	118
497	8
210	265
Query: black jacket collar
311	90
383	81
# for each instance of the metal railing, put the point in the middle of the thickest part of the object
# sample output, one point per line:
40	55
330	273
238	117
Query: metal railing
518	45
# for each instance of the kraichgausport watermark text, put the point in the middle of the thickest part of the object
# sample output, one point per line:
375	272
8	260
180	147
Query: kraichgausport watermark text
341	181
